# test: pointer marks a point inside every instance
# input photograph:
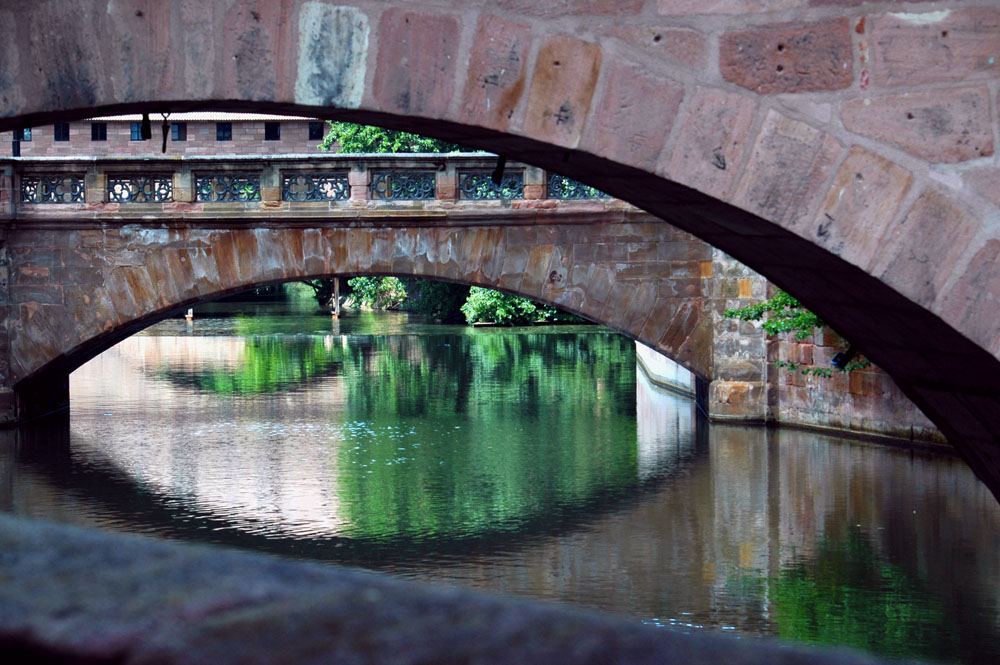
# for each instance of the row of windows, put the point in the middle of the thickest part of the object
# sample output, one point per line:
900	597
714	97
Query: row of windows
178	131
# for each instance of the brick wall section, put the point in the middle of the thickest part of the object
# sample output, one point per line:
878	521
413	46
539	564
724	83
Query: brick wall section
248	139
866	401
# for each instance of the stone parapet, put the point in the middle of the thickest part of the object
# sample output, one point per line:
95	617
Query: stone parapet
72	595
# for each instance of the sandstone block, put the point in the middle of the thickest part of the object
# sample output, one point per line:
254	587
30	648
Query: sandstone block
911	49
789	57
675	46
711	144
860	206
571	7
915	258
684	7
971	304
417	56
951	125
562	89
634	115
496	73
789	164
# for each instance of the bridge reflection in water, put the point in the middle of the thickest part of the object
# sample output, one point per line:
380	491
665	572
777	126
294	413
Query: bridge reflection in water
513	462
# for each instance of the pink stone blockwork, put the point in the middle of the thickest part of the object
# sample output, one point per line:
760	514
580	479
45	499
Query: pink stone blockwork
416	62
495	83
913	258
789	57
558	8
562	89
860	206
623	128
712	141
788	165
972	302
949	125
959	44
684	7
674	46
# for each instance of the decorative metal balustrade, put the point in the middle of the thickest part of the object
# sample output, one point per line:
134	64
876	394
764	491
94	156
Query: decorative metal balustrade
223	187
403	185
561	187
140	188
479	185
315	187
54	188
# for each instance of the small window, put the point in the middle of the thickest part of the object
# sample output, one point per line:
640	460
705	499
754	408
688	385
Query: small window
179	131
61	131
315	131
98	131
272	131
25	133
223	131
136	131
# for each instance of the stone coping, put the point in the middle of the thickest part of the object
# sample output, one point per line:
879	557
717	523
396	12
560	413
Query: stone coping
74	595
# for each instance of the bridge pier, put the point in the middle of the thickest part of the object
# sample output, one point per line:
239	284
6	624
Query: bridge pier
38	397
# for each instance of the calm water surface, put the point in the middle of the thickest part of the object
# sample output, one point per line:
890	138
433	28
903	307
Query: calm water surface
535	462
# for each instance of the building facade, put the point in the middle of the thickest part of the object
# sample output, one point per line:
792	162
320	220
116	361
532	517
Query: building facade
187	134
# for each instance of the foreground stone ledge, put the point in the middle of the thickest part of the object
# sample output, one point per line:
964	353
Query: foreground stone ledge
73	595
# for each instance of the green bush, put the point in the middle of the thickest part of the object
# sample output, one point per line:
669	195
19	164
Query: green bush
494	307
377	292
439	301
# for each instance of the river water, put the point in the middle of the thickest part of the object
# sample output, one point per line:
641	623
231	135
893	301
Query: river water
537	462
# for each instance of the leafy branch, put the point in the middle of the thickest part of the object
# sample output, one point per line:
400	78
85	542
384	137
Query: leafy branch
784	314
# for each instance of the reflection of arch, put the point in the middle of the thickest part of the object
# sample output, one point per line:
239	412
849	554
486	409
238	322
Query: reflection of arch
47	447
824	190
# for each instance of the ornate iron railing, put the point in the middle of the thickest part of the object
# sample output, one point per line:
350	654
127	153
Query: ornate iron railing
315	187
403	185
479	185
55	188
561	187
219	187
140	188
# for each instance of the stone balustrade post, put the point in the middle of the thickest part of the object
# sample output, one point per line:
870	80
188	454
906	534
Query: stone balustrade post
446	184
270	184
534	183
359	179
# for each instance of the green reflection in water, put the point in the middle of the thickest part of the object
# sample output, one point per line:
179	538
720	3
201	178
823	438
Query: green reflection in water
847	594
454	435
522	424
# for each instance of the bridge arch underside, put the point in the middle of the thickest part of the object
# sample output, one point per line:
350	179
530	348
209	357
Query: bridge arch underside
877	208
132	277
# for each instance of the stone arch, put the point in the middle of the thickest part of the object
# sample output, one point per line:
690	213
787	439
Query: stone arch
781	137
178	268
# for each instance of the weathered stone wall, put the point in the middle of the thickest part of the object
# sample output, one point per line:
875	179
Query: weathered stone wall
739	383
865	401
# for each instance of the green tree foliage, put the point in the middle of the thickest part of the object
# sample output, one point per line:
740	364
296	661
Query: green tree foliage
488	306
350	137
784	314
377	292
438	301
779	314
322	289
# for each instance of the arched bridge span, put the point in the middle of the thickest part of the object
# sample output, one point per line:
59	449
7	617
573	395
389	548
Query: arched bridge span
843	150
96	270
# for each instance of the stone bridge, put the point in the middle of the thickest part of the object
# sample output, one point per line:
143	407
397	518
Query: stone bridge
97	249
844	150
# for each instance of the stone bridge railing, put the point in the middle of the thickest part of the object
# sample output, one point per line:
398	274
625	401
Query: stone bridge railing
252	186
